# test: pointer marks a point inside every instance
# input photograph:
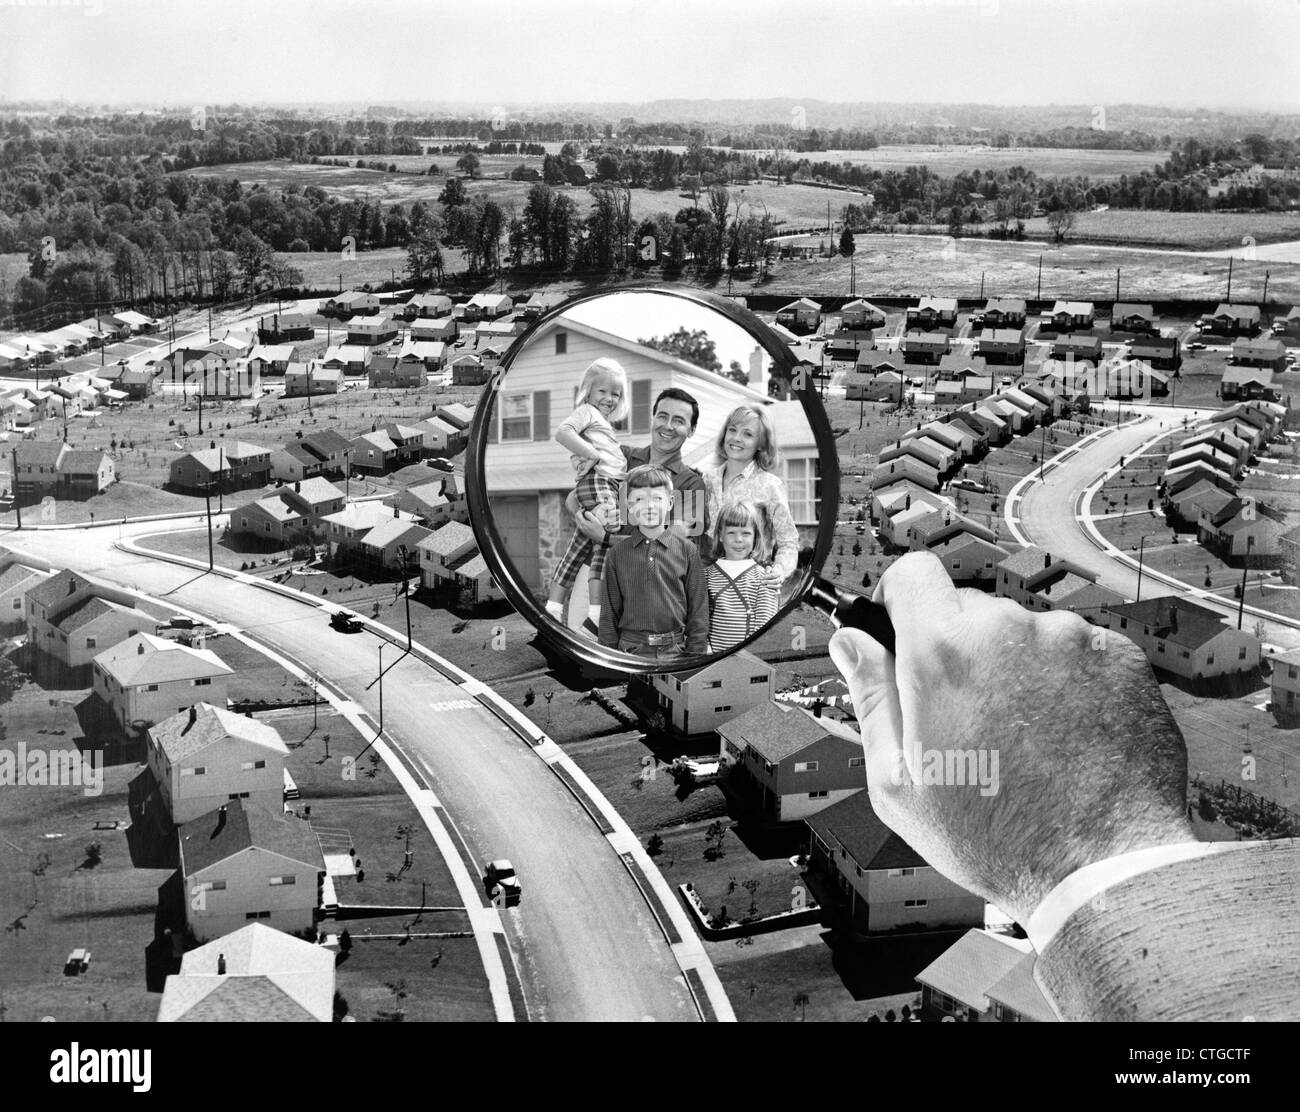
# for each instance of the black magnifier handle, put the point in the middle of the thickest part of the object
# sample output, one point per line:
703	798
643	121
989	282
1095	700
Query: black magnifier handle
856	611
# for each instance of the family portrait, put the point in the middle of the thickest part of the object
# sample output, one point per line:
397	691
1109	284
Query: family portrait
675	531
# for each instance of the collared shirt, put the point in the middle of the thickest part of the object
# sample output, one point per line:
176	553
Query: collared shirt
690	504
762	488
655	585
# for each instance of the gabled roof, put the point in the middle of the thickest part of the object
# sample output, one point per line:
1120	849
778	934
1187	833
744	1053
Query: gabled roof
1012	337
327	440
801	303
853	825
938	304
377	439
1073	308
212	838
82	461
16	575
316	490
395	529
50	592
40	453
202	725
1123	309
448	539
1237	312
301	454
774	731
974	964
361	515
1005	305
144	658
277	507
91	607
1196	625
958	542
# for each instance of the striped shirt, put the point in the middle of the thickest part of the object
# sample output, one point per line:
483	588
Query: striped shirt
763	488
739	605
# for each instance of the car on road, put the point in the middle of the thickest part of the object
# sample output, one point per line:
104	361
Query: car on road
499	878
1196	345
969	484
345	623
439	464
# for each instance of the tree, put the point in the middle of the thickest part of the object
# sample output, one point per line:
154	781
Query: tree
424	251
453	193
468	164
693	346
801	1001
11	679
655	845
847	248
1061	221
252	256
714	836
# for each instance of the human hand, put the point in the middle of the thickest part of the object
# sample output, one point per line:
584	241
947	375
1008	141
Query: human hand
769	578
581	465
588	523
1010	748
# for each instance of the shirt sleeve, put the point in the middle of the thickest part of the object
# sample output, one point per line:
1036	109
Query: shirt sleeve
579	420
697	604
784	532
764	606
611	610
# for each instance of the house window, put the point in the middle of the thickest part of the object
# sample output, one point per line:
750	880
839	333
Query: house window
763	679
216	886
1160	646
713	683
956	564
257	915
1123	623
902	872
247	765
1241	653
90	642
18	604
720	710
916	903
801	484
805	766
1209	659
1185	654
204	682
819	795
237	795
288	878
561	343
857	762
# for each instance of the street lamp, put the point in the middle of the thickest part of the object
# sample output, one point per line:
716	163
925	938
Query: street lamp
406	590
381	690
1141	552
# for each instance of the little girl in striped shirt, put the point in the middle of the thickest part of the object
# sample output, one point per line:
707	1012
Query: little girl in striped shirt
739	603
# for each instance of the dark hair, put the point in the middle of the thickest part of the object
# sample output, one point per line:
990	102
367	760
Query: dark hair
676	393
648	476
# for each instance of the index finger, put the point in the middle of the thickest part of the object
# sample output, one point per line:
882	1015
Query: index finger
921	600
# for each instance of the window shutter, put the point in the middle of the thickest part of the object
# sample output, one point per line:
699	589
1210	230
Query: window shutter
541	414
641	405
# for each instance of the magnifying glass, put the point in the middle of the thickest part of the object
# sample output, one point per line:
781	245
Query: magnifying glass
653	482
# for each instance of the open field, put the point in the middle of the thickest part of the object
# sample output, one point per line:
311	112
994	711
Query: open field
1099	165
1192	231
442	978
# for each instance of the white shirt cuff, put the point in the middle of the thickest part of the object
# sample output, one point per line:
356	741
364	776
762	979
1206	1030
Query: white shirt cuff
1091	881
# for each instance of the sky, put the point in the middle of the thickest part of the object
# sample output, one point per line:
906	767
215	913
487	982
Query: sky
512	53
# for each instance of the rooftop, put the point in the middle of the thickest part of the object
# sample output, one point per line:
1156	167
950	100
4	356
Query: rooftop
144	658
203	724
853	824
214	837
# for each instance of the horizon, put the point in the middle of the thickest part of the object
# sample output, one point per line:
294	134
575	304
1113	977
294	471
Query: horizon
1167	54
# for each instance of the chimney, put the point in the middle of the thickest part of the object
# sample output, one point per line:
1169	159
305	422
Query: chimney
139	649
1047	559
396	512
297	486
194	717
221	965
1173	617
817	709
757	369
221	820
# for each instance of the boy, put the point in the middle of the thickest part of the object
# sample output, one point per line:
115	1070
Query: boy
656	594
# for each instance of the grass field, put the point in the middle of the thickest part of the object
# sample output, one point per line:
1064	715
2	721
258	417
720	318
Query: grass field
1099	165
1193	231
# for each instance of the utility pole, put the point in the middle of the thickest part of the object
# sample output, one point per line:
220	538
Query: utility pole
981	285
1241	605
1229	296
406	590
207	498
1142	544
1042	452
13	489
1117	283
1264	300
1040	278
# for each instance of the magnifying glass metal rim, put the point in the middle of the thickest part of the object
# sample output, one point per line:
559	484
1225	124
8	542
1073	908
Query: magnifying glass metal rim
489	540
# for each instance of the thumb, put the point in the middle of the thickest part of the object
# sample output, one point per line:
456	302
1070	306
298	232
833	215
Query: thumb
868	669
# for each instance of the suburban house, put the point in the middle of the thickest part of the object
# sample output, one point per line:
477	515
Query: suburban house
1267	354
1205	452
232	465
943	459
956	365
255	974
1080	349
860	315
429	503
474	581
1182	478
1126	316
1223	439
427	306
942	524
273	519
1289	549
983	419
438	330
925	347
888	500
374	453
332	448
71	619
441	438
293	462
1238	531
932	313
899	520
907	466
279	328
49	468
1016	417
396	372
391	544
1197	504
206	756
796	763
952	437
345	530
350	304
699	701
886	885
1037	581
136	383
1069	315
1001	345
244	862
1004	312
845	344
1287	324
145	679
409	440
1233	320
15	581
431	353
302	380
490	306
984	977
448	544
315	498
888	386
351	359
273	359
1284	687
530	479
970	560
1184	638
136	322
1164	353
537	304
468	370
371	330
801	316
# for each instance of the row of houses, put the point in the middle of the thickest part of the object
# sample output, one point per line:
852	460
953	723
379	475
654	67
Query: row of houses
52	469
19	352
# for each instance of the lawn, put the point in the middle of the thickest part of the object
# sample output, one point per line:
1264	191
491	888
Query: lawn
1124	532
442	979
1100	165
1192	231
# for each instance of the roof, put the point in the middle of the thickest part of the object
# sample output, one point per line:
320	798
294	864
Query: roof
295	449
394	529
1242	312
91	607
316	490
474	567
1005	304
361	515
378	439
448	539
144	658
801	303
81	461
938	304
57	587
973	964
959	541
190	731
15	575
1131	309
852	824
212	838
1012	336
1073	308
327	441
774	731
1197	625
277	507
40	453
1028	561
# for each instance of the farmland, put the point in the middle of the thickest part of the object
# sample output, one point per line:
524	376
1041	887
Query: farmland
1191	231
1099	165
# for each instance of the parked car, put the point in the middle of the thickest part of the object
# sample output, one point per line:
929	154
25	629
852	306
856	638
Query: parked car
439	464
344	623
696	771
500	874
969	484
1196	345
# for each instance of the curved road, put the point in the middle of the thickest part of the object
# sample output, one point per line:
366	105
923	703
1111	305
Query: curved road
585	943
1048	513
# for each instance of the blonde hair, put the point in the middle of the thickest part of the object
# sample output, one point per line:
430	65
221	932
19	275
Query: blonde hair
735	514
767	455
609	369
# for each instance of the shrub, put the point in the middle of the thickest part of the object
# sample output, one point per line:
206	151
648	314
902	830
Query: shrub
655	845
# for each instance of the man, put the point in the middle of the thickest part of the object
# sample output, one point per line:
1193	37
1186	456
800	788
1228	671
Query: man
1085	841
675	417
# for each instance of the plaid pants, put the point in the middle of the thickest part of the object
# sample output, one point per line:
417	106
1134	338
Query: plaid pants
582	549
